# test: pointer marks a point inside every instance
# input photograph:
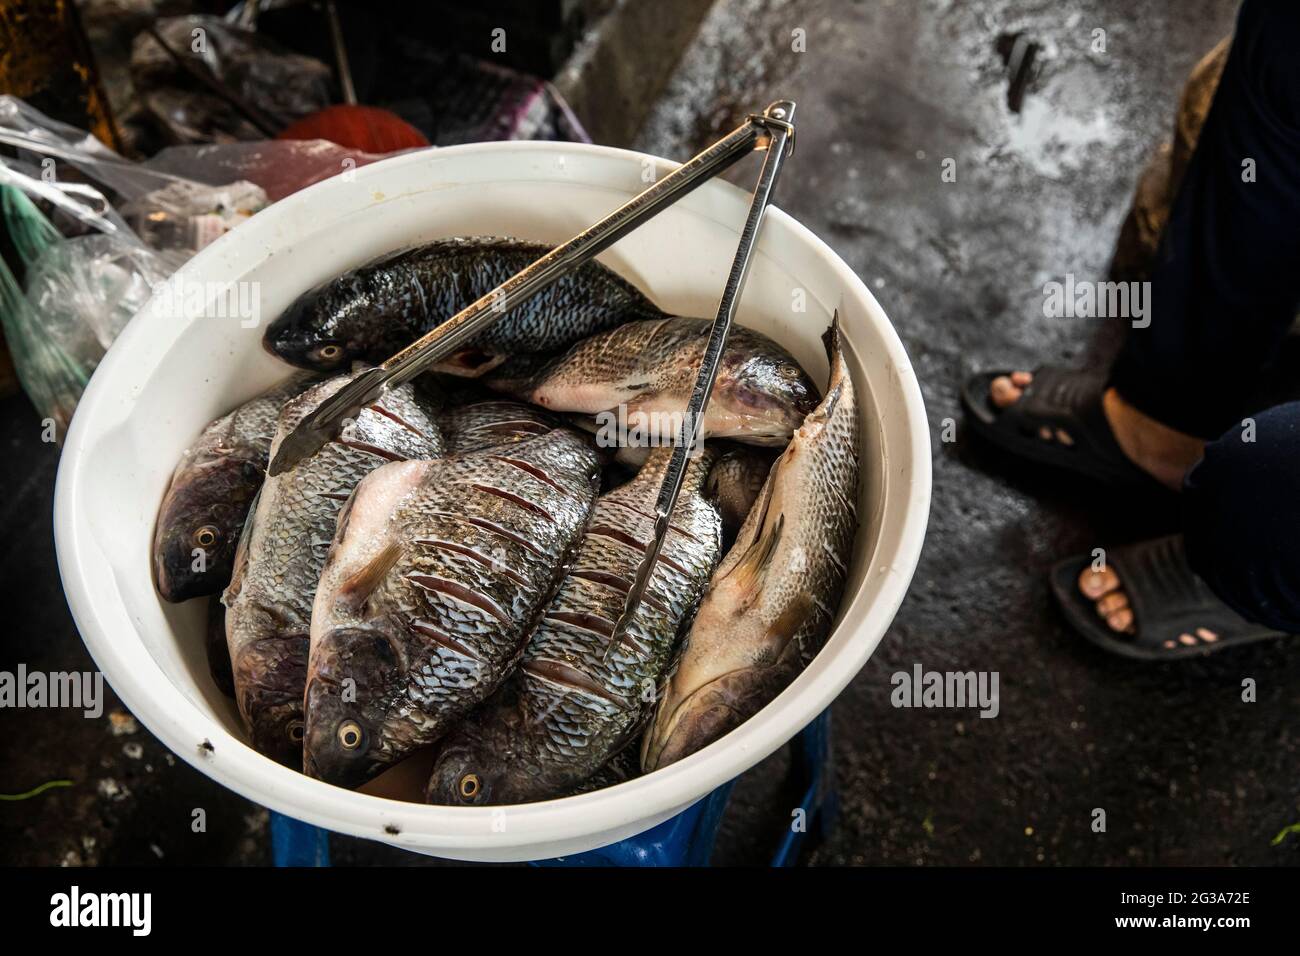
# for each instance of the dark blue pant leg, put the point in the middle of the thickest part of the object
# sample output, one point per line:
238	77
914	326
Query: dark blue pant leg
1241	510
1226	285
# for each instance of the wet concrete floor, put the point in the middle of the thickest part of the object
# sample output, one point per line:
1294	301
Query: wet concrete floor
1186	772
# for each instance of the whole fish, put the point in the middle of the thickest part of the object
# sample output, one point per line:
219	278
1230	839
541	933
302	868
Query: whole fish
207	501
575	700
637	379
374	311
492	423
283	548
436	578
772	601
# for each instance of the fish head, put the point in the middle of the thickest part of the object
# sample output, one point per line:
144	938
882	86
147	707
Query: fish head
461	777
198	526
705	716
712	694
487	760
269	675
466	773
330	326
762	394
353	672
741	649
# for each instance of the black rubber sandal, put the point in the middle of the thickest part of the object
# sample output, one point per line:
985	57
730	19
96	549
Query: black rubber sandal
1057	398
1168	602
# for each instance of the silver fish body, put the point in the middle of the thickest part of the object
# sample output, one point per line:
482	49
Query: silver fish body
210	492
436	579
283	548
637	379
771	603
575	700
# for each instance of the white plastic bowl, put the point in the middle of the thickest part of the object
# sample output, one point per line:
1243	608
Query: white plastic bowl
167	376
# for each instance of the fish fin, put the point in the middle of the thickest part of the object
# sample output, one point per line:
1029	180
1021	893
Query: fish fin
750	572
831	337
788	623
356	590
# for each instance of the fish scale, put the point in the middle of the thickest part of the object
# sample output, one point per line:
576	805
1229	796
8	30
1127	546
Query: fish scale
425	631
285	545
573	701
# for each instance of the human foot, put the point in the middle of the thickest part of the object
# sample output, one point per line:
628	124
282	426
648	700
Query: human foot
1162	452
1106	591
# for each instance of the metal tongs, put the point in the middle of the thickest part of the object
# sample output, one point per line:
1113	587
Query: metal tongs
772	130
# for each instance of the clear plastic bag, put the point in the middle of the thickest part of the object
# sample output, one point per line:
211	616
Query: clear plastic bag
86	289
41	137
52	379
183	217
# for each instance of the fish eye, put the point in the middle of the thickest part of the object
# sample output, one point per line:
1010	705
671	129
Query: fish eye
297	731
207	536
329	352
350	734
470	785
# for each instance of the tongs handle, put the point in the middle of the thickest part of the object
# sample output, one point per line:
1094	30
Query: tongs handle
779	118
318	427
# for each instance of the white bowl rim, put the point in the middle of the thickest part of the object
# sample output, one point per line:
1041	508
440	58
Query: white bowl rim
179	722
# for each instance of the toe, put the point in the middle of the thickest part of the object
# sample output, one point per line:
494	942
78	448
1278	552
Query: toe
1121	621
1186	640
1112	602
1207	635
1095	584
1021	379
1003	392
